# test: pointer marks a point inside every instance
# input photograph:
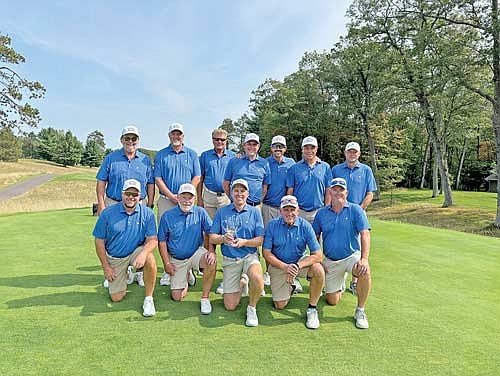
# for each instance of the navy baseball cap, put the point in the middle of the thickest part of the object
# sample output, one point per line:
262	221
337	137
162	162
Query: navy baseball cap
338	181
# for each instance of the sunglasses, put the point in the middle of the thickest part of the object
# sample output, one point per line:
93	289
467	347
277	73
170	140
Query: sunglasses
129	193
277	146
219	139
133	138
288	201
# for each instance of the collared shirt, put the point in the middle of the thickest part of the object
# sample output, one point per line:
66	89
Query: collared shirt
175	168
341	231
116	168
183	232
123	232
360	180
250	225
309	183
277	189
288	243
255	172
213	168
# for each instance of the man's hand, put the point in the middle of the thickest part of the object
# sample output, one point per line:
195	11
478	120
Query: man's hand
170	269
211	258
292	272
139	261
361	267
109	273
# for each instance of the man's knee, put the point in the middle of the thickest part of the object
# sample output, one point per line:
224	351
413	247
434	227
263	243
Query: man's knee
117	297
280	304
333	298
316	271
176	295
150	261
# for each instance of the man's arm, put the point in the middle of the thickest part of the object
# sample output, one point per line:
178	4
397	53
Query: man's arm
196	180
150	243
162	187
362	264
150	188
289	191
165	256
199	191
100	190
100	250
225	185
264	192
367	201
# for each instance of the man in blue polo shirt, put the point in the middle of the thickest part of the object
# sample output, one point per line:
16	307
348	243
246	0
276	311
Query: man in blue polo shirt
309	179
174	165
213	162
118	166
180	237
252	168
284	249
346	245
360	180
239	228
125	234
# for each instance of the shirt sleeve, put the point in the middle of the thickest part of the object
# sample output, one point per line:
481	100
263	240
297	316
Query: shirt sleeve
268	237
162	229
196	165
228	173
216	227
103	173
311	240
259	223
316	223
100	226
207	222
150	222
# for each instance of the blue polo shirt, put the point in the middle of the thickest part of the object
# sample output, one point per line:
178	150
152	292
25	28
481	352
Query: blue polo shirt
288	243
183	232
277	189
309	183
360	180
341	231
213	168
122	232
176	168
251	226
116	168
255	172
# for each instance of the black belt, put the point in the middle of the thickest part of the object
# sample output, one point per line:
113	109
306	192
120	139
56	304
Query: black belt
219	194
253	203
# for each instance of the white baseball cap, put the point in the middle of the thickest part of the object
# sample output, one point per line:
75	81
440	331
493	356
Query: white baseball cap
130	129
278	140
242	182
338	181
131	183
310	140
251	137
289	200
176	127
352	145
187	188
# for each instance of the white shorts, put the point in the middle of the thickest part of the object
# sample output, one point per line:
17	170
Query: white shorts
335	272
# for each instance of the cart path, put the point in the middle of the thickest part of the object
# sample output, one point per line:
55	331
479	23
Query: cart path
25	186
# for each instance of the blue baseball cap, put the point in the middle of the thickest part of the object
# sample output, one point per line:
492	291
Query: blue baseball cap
338	181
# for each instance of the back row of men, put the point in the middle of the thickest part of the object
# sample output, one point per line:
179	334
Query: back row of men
266	183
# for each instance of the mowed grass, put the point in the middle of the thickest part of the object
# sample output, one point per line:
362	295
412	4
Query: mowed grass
472	212
433	311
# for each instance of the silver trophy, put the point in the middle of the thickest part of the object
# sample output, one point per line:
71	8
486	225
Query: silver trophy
231	225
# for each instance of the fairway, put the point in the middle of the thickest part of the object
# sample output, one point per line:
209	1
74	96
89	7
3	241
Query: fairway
434	310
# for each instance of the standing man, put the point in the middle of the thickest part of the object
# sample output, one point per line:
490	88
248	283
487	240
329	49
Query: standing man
279	165
118	166
239	228
309	179
252	168
180	237
213	162
346	245
125	234
360	180
284	249
174	165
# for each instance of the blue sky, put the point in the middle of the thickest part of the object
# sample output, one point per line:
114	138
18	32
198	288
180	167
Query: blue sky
107	64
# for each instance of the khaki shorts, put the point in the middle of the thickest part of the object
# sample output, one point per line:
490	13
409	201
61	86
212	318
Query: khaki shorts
336	272
120	266
269	213
279	288
164	204
212	202
233	268
178	281
308	216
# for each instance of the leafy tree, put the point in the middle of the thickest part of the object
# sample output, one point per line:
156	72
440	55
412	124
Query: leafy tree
48	143
10	146
14	110
29	144
69	150
93	152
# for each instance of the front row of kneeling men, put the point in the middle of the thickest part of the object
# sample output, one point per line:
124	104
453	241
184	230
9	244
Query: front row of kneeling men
125	234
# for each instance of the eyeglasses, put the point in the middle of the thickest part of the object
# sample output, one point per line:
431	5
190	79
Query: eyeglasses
278	146
129	193
219	139
133	138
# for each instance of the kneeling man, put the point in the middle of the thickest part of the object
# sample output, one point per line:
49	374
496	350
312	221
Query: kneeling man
125	234
181	235
284	249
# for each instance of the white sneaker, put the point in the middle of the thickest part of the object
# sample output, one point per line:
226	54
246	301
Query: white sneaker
298	286
312	318
252	319
267	279
130	275
244	289
165	279
220	289
191	278
361	319
140	278
105	284
206	307
263	292
148	307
